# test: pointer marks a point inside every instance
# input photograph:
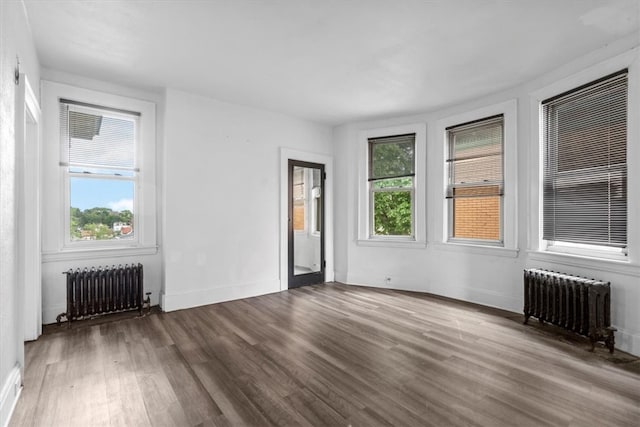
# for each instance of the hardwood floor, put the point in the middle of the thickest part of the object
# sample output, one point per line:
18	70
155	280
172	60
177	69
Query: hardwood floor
323	355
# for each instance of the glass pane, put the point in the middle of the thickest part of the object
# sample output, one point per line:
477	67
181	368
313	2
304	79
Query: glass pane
307	209
392	156
477	154
100	139
476	217
405	182
316	191
592	130
298	199
101	209
392	213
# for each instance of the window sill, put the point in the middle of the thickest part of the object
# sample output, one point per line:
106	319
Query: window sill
392	243
97	253
582	261
478	249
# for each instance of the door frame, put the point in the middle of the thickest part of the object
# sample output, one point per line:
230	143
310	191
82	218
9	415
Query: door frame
310	278
28	185
285	155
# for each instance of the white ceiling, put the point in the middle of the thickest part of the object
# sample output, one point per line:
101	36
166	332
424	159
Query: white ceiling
330	61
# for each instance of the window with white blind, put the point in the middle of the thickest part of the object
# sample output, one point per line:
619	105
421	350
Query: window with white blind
476	181
585	165
98	158
392	163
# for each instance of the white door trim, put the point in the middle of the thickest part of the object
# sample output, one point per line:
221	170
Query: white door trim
28	166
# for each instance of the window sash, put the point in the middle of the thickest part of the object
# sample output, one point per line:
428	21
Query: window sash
84	122
585	169
87	162
372	193
406	159
404	167
476	174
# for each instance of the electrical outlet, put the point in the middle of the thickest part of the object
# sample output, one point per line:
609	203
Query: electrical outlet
387	280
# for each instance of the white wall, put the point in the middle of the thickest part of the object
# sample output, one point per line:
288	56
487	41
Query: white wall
55	260
222	191
15	41
488	277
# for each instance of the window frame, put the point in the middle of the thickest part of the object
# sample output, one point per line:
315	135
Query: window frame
57	244
365	200
396	189
450	200
508	247
557	176
586	255
67	175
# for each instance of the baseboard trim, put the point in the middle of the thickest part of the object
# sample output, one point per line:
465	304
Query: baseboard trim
474	295
179	301
628	342
50	314
9	395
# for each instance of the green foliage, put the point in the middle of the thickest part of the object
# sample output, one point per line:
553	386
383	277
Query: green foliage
392	159
405	182
99	231
392	213
96	223
392	167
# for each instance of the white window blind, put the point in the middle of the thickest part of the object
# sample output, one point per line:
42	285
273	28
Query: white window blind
585	164
97	139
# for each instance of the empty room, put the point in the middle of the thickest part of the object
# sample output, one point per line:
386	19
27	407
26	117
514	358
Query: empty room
319	213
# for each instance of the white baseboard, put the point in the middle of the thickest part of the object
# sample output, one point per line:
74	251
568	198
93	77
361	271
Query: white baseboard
475	295
9	395
627	341
49	314
178	301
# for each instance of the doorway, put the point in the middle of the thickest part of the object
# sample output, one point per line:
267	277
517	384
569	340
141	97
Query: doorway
306	219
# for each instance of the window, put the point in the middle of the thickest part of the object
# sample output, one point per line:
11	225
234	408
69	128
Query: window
392	185
298	199
307	208
475	187
98	148
316	212
585	165
104	157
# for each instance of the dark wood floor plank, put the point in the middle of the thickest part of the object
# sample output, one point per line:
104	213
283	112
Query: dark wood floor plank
324	355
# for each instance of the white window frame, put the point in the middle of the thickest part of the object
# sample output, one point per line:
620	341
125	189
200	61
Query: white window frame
57	243
67	175
509	219
365	212
537	245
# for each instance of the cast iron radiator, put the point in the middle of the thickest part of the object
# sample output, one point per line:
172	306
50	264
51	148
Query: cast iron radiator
574	303
96	291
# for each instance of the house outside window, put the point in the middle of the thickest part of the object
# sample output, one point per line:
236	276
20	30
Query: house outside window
475	181
585	166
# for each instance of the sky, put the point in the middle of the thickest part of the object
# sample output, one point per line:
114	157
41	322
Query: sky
87	193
